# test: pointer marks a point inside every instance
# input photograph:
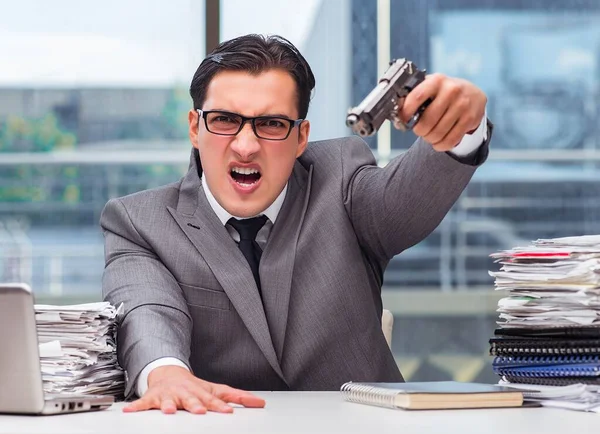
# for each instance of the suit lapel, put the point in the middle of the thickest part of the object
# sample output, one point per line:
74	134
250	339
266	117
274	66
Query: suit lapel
277	262
198	221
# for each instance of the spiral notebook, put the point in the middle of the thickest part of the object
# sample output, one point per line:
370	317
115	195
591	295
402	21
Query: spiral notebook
435	395
566	369
551	332
552	381
548	361
511	346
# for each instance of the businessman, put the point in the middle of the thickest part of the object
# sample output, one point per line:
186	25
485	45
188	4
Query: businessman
261	269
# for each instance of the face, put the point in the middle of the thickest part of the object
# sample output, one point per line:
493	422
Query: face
244	173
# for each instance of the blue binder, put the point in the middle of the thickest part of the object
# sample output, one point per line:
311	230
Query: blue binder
553	366
522	361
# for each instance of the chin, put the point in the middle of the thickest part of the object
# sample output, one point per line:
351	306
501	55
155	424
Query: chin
242	210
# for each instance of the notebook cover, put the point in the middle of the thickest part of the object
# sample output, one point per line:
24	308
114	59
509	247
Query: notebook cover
540	332
441	387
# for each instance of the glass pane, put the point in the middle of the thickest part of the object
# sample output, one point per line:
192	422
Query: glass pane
537	61
93	105
321	31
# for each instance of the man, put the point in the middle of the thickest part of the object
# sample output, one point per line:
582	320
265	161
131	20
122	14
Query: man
262	268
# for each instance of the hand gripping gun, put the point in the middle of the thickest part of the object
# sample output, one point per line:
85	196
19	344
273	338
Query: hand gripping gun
386	99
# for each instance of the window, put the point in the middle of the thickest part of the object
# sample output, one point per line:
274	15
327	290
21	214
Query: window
93	105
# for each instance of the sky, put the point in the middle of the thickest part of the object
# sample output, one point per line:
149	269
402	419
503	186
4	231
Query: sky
127	43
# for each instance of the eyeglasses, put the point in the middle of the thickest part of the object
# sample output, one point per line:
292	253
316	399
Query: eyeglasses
264	127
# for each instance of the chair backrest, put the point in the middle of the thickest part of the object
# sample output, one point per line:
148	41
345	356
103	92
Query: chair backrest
387	324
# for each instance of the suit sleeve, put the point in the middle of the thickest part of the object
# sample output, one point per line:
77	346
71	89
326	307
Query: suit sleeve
395	207
156	322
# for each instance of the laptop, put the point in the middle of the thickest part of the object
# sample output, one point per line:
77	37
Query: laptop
21	389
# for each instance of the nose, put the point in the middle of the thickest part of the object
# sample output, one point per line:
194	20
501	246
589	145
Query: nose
245	143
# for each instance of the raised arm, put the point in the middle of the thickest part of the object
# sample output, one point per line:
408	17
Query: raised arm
395	207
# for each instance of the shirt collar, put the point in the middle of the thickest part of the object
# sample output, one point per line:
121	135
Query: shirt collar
271	212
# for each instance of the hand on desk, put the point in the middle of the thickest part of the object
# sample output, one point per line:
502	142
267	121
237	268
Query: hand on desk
172	388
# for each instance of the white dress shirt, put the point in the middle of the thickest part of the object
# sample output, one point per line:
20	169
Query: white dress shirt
468	144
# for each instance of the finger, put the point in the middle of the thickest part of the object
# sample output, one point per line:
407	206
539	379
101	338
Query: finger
193	405
211	402
443	127
168	405
454	136
428	88
241	397
250	401
431	116
141	404
443	102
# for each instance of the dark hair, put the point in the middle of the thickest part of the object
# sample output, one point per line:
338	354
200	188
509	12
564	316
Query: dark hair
255	54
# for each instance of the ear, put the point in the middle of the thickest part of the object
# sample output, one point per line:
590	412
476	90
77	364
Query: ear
193	120
303	133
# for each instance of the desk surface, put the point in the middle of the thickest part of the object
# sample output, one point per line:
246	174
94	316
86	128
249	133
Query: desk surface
311	412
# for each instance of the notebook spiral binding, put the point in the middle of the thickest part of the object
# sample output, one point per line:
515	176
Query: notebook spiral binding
365	394
517	361
545	347
580	370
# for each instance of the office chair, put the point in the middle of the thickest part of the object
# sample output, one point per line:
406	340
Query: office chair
387	324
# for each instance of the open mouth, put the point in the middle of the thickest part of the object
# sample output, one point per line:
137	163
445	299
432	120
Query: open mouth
245	176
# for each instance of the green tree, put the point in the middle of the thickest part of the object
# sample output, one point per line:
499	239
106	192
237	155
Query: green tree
20	183
35	135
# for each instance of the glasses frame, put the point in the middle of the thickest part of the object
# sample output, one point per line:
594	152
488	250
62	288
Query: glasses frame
292	123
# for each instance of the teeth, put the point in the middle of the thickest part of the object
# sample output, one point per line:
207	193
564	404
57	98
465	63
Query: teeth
244	170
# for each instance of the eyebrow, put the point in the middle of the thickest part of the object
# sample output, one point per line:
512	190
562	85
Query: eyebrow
274	115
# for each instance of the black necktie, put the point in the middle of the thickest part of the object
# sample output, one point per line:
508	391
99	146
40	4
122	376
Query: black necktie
248	228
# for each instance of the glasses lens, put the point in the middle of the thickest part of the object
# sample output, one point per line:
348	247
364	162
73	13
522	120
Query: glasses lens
272	128
223	123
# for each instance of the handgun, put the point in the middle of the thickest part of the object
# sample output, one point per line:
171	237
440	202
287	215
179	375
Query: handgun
386	99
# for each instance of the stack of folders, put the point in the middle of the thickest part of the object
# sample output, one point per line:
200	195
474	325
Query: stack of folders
548	335
78	350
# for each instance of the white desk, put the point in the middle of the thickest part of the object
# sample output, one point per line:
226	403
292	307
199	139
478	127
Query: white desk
311	412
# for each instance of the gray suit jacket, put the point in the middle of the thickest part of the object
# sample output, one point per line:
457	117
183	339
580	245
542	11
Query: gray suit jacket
188	291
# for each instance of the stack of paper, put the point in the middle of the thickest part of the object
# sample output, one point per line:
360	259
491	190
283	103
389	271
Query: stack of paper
78	350
551	283
582	397
548	336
